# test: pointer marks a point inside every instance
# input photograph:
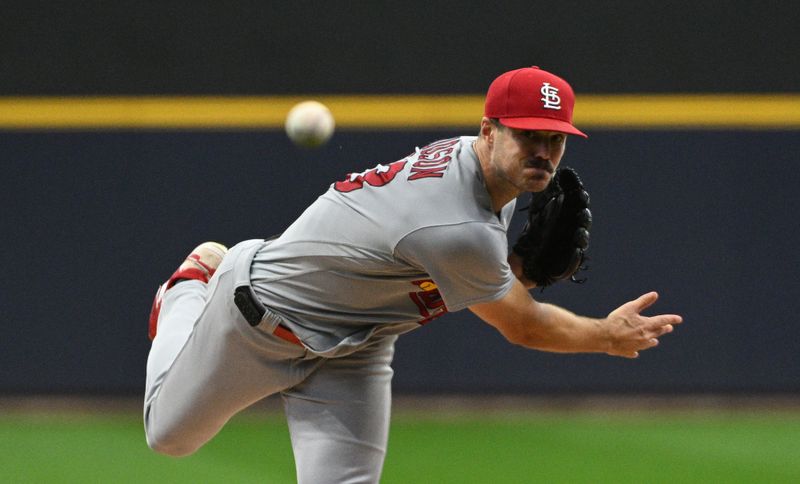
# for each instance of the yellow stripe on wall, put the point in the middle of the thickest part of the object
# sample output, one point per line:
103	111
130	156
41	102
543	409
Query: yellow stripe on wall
768	111
696	110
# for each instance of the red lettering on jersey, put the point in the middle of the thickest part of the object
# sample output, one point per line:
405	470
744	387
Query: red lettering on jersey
437	146
429	169
433	160
376	177
428	300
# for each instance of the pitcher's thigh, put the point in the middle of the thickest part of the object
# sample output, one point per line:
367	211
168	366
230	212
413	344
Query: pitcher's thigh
220	371
339	418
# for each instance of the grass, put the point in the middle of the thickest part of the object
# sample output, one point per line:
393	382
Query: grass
592	449
732	447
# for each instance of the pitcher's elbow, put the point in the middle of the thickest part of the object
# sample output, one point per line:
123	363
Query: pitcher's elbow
517	338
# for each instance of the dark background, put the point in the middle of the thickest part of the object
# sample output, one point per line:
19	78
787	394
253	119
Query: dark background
409	46
93	221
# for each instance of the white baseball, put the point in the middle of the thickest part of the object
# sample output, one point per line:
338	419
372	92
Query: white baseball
310	124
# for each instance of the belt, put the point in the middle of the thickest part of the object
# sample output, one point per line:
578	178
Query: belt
253	311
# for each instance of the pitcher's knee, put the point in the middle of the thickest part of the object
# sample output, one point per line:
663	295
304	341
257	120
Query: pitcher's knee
171	443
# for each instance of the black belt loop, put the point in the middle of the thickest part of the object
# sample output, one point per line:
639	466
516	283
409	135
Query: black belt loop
253	311
250	307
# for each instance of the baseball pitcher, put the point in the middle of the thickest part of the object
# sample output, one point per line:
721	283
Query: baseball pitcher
313	314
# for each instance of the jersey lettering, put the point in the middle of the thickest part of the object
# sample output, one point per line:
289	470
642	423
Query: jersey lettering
432	160
428	300
376	177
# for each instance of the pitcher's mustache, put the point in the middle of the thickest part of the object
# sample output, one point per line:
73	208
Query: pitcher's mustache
541	164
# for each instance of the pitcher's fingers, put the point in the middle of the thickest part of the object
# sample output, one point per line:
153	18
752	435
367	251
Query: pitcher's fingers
650	343
662	330
664	319
644	301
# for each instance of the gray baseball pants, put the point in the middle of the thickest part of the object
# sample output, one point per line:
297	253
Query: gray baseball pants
207	363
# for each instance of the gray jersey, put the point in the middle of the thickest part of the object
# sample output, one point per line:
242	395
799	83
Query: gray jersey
387	250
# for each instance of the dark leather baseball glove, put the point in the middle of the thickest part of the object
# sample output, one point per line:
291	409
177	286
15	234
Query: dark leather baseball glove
554	241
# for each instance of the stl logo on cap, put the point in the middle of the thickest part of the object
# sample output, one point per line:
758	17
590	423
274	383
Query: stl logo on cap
531	99
550	99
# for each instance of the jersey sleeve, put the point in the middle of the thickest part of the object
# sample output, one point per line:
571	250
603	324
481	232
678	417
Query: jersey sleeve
467	261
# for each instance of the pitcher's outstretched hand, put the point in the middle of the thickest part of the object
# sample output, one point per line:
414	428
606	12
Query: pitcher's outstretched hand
630	332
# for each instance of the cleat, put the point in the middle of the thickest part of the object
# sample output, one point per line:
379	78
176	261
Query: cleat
200	265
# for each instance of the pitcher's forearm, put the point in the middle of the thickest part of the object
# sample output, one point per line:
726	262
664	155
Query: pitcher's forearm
558	330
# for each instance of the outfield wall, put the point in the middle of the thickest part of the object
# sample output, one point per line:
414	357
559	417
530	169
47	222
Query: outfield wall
93	221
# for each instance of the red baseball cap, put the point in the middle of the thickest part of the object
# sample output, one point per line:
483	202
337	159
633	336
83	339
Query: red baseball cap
532	99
